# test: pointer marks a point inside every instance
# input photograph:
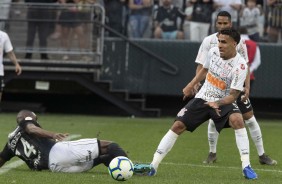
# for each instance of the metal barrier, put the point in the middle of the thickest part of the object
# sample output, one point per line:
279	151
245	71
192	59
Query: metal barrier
83	44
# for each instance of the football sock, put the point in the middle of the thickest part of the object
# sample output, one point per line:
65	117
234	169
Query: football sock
114	150
242	142
212	136
256	135
105	159
164	147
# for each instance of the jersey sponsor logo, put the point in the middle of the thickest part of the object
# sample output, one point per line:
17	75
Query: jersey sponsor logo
181	112
218	83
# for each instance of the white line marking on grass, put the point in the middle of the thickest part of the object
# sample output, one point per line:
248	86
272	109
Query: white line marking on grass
72	136
10	166
18	163
218	167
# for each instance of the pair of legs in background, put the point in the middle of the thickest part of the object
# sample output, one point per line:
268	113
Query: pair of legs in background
254	129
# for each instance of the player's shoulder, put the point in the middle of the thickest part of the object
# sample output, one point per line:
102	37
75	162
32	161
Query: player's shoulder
242	42
3	33
212	37
240	60
214	50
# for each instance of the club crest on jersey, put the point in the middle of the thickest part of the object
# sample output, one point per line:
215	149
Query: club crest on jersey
243	67
181	112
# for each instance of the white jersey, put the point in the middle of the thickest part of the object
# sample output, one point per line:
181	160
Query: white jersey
5	46
212	41
222	76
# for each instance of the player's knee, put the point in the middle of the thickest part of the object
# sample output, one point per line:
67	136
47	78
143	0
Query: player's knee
178	127
248	115
236	121
237	124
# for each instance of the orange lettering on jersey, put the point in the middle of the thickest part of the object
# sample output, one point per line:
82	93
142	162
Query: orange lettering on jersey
216	82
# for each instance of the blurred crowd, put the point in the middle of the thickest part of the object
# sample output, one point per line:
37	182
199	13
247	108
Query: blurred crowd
193	19
170	19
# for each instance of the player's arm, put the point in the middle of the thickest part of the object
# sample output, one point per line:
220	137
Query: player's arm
247	86
200	59
231	98
244	53
199	67
13	58
189	89
35	130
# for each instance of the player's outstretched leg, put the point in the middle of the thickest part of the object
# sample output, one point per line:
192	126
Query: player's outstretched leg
164	147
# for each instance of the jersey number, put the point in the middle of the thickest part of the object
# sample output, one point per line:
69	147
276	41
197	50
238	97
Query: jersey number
28	149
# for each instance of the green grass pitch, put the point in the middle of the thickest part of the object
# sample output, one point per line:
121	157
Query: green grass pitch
140	138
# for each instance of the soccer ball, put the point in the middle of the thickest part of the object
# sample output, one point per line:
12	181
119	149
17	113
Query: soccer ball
121	168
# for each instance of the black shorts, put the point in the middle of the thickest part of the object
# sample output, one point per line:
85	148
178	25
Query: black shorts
245	106
2	84
196	112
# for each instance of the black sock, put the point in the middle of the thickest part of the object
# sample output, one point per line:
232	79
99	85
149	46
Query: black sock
101	159
114	150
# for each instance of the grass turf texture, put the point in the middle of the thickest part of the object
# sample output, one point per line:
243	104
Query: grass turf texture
140	137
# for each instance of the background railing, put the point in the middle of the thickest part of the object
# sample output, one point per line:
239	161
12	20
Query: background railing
85	49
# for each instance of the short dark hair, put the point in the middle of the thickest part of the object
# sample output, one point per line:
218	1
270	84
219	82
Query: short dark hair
26	113
232	33
224	14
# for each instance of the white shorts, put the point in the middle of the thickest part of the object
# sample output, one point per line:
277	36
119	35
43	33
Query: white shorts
73	156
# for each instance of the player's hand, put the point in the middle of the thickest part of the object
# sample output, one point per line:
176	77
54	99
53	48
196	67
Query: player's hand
59	136
246	94
18	69
188	91
215	106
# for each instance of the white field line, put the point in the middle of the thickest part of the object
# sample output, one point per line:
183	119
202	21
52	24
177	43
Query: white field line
217	167
18	163
211	166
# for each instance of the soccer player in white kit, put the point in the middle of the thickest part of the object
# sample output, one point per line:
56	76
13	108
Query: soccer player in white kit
6	46
224	72
224	21
41	149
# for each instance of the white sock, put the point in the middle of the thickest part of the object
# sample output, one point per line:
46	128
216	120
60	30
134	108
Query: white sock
242	142
164	147
212	136
256	135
